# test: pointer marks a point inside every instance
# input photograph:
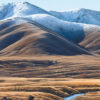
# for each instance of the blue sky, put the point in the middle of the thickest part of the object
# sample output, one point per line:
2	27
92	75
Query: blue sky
62	5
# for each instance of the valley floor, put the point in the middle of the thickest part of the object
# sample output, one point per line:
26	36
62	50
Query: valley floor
82	66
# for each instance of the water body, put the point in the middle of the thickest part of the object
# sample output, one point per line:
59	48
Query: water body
73	96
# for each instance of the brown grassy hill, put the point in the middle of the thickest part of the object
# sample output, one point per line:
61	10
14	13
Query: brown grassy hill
92	40
28	39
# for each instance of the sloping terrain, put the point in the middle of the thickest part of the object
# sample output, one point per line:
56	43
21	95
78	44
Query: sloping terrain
92	40
70	24
19	9
28	39
71	31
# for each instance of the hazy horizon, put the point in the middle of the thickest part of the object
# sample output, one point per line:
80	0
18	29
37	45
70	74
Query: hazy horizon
61	5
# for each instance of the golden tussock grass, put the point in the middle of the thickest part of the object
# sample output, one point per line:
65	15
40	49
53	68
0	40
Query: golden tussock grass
51	66
46	88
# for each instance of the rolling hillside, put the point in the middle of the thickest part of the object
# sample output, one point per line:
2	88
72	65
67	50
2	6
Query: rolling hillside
29	38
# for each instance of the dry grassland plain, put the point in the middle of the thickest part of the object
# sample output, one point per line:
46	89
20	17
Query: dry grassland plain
48	88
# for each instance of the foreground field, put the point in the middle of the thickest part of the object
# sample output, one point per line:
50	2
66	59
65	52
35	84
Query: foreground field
82	66
47	88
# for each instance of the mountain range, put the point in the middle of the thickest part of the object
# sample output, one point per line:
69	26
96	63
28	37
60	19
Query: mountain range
26	29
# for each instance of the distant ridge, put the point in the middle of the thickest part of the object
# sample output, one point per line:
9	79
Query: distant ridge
80	15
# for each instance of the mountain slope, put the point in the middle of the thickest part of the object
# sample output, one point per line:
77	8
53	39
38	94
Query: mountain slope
92	40
71	31
68	25
88	36
30	38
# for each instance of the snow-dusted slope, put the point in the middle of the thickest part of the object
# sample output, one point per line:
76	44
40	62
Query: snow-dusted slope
24	8
19	9
71	31
79	15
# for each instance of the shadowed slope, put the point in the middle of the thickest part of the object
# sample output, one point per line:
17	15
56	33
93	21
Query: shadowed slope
28	39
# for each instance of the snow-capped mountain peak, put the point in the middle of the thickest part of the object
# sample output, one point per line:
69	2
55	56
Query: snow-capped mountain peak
25	8
19	9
